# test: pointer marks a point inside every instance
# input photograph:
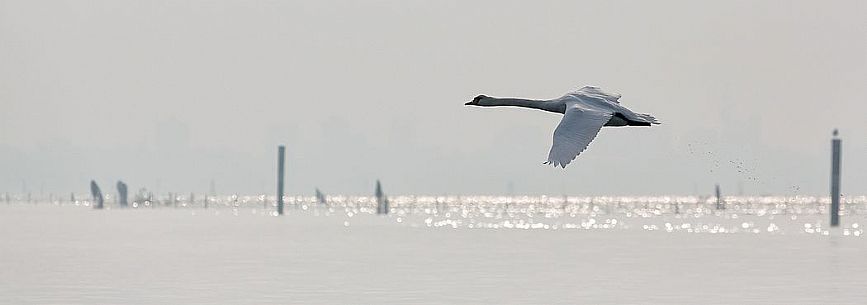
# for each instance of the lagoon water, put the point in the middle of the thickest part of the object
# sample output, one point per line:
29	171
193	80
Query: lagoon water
437	250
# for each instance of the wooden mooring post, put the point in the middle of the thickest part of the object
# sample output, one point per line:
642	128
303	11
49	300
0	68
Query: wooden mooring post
720	203
281	151
97	195
382	204
835	179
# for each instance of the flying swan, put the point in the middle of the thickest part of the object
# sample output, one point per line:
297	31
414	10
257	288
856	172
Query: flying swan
585	112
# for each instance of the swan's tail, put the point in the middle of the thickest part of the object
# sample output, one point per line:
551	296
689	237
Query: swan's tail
647	118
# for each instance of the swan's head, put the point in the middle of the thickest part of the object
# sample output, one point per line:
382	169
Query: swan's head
476	100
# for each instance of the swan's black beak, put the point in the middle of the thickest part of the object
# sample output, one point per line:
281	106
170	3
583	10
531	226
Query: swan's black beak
475	100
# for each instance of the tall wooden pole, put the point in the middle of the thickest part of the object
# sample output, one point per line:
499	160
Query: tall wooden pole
835	180
281	150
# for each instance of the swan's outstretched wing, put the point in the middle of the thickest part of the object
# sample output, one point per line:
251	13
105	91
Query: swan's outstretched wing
577	128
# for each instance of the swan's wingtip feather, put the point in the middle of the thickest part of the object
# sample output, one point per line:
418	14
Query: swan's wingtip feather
554	162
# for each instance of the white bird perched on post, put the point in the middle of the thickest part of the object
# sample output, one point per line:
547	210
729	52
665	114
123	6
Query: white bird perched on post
585	111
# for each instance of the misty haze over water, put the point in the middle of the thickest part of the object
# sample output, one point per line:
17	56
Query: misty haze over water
170	96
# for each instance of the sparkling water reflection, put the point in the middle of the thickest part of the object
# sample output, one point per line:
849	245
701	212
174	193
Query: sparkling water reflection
665	214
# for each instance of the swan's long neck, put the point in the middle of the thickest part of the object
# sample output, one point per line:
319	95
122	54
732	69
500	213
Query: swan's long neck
514	102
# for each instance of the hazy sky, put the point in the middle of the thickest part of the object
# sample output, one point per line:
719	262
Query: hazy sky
169	95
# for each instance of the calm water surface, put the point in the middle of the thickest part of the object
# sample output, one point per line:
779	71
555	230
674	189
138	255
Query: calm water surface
634	254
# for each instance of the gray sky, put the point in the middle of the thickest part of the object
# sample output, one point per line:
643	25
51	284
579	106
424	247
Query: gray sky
171	94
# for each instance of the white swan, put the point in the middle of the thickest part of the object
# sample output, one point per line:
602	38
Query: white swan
584	111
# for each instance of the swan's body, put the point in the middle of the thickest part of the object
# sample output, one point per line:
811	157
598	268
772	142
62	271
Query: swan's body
585	112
